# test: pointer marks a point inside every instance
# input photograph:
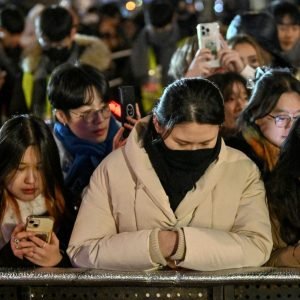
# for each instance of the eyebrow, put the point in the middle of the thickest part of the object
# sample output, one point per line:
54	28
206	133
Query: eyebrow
188	142
91	109
23	163
284	111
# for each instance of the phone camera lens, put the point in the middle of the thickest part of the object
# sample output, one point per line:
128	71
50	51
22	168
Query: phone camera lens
35	225
31	221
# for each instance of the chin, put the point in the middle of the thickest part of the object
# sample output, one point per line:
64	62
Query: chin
100	139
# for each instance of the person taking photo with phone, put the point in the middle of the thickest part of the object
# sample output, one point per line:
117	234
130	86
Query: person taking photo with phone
31	183
167	197
85	129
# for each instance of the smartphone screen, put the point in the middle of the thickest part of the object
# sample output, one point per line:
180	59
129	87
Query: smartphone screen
127	100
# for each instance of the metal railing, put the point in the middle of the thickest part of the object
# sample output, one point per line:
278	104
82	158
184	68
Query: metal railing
57	283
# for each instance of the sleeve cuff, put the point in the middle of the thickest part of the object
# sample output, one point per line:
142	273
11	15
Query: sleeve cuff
180	252
155	252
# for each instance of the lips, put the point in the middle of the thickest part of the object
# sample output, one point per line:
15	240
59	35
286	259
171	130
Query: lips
100	131
29	191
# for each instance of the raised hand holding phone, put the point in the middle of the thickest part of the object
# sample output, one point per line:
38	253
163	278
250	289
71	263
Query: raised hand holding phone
209	38
128	106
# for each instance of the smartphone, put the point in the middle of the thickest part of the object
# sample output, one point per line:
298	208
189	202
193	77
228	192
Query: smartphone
128	108
41	225
209	37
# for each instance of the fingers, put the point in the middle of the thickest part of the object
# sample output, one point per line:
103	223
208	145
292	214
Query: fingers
138	112
117	140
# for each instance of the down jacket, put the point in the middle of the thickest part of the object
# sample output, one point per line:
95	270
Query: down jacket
225	218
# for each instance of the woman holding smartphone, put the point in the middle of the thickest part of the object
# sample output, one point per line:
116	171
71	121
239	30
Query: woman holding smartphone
31	183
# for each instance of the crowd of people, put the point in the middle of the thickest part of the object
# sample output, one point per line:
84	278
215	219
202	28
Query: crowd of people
208	177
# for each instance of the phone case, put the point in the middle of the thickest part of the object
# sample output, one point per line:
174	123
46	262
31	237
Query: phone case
127	100
209	37
42	225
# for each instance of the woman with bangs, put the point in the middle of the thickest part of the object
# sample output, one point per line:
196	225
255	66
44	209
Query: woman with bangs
31	184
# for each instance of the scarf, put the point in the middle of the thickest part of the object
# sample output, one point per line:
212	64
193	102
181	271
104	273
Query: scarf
86	155
179	170
35	207
266	151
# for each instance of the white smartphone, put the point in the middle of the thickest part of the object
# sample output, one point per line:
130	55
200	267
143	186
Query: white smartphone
209	37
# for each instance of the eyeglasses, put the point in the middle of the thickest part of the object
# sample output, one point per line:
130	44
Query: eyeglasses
282	121
91	115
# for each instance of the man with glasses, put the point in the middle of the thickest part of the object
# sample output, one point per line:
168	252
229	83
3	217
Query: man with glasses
57	43
85	130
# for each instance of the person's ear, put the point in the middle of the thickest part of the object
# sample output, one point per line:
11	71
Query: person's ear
258	122
157	126
61	116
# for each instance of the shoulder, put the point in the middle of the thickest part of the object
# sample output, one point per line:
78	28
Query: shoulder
31	60
95	53
238	161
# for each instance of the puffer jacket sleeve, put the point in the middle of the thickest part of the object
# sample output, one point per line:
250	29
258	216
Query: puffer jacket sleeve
95	241
248	243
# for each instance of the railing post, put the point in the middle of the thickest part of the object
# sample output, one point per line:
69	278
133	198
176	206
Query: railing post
218	292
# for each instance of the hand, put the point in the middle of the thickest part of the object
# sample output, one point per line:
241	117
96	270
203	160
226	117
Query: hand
44	254
199	65
19	243
230	59
118	140
168	242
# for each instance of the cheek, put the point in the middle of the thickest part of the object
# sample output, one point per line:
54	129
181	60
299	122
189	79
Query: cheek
271	132
229	108
79	129
13	184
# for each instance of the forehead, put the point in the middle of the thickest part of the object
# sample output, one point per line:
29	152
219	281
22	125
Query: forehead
194	132
245	48
289	102
93	99
31	155
287	19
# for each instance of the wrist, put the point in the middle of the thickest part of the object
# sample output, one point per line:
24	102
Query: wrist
294	254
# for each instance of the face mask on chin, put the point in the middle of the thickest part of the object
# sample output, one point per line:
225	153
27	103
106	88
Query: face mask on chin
160	36
56	55
14	53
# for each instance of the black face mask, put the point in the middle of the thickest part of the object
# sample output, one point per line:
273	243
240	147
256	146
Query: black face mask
14	53
58	55
188	160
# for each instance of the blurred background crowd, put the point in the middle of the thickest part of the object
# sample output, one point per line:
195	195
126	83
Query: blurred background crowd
132	42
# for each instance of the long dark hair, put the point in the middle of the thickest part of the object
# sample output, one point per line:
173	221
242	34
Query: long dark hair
268	89
16	135
283	187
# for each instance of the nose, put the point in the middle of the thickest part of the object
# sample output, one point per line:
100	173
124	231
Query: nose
30	176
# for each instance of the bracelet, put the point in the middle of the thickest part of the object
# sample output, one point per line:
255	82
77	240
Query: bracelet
294	249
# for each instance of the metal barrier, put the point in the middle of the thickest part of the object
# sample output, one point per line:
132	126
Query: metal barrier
56	283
